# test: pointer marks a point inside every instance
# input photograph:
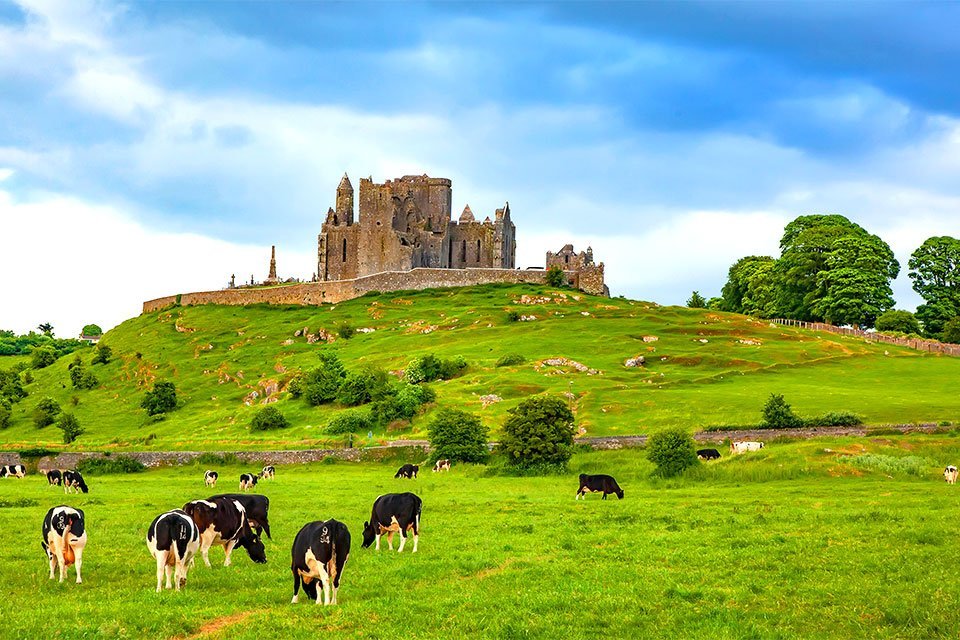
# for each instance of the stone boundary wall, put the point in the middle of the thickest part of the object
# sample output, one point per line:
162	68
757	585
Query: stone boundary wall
913	343
316	293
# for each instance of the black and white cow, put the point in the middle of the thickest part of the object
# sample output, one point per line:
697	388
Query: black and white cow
73	482
13	471
54	477
224	521
257	507
708	454
442	465
320	551
210	478
268	472
247	481
64	537
394	513
599	483
173	538
407	471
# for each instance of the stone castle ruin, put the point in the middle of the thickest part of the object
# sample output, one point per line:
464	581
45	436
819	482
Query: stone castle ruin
402	236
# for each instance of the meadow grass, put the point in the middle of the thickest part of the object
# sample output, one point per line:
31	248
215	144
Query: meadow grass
788	542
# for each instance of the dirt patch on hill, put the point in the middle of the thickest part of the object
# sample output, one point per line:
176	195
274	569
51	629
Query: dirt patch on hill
219	624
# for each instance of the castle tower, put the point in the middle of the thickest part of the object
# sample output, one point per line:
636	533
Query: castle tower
272	277
345	201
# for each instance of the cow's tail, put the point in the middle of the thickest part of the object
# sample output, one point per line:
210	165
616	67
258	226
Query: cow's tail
46	550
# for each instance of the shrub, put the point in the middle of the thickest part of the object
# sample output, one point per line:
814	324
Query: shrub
900	321
777	414
43	357
452	367
295	385
162	399
5	413
345	331
555	276
538	431
45	413
92	330
356	421
321	385
696	301
103	466
429	368
951	331
510	359
27	377
672	452
37	452
458	435
11	389
513	315
269	418
363	387
836	419
210	459
80	376
70	427
910	465
412	396
103	355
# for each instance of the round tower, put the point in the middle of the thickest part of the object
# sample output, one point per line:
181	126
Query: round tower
345	200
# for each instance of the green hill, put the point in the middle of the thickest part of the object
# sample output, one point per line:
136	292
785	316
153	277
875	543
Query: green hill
702	368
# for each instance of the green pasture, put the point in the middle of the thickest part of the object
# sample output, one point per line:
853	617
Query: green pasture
704	368
793	541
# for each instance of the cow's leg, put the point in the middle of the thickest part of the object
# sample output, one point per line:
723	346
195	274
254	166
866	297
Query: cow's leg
78	562
296	586
604	496
205	550
228	548
378	542
161	564
168	572
61	563
326	591
53	562
403	537
390	540
416	532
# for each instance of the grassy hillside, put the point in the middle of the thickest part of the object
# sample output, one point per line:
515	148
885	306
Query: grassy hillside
704	368
795	541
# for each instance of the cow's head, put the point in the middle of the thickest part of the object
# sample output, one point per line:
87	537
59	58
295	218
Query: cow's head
251	541
369	534
619	493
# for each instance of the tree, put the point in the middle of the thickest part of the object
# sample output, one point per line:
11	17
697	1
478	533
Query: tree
746	290
162	399
458	435
538	431
951	331
5	413
935	271
696	301
42	357
672	452
364	386
46	329
103	355
899	321
555	276
353	421
11	388
70	427
715	304
321	385
855	285
269	418
45	413
777	414
91	330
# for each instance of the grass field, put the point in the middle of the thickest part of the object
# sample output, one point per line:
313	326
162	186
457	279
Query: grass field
790	542
704	368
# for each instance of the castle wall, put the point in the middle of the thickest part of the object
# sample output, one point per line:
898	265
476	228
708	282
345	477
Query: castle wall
471	245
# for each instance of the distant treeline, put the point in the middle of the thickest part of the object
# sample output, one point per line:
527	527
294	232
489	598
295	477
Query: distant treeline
12	344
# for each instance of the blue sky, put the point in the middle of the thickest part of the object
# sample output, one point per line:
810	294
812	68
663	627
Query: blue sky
149	148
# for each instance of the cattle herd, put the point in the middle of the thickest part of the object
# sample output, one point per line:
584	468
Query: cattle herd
320	549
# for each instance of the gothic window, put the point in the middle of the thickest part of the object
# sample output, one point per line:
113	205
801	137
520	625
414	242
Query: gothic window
344	258
478	251
463	251
566	258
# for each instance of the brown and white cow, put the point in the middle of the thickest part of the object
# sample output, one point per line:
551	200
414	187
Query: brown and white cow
223	521
950	474
442	465
394	513
64	538
210	478
320	551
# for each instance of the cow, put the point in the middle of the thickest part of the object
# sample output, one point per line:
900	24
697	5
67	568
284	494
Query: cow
393	513
599	484
268	472
54	477
173	539
442	465
950	474
64	537
256	507
73	482
13	471
210	478
320	551
740	447
407	471
708	454
224	521
247	481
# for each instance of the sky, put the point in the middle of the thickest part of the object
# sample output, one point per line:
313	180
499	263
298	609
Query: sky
154	148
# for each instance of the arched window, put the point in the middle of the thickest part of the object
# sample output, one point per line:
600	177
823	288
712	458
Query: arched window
566	258
344	258
463	251
478	251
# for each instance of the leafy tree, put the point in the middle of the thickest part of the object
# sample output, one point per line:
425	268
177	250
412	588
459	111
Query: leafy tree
777	414
5	413
935	271
43	357
356	421
672	452
46	329
715	304
856	283
696	301
345	331
45	413
11	389
429	368
103	355
555	276
79	376
162	399
458	435
538	431
899	321
92	330
951	331
321	385
269	418
70	427
748	289
363	387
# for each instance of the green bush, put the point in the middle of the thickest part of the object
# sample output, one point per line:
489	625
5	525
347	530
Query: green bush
898	321
910	465
429	367
672	451
363	387
92	330
538	431
104	466
951	331
555	276
80	377
37	452
5	413
345	331
510	360
11	389
269	418
42	357
162	399
696	301
103	355
68	424
777	414
513	315
322	384
458	435
45	413
452	367
210	459
357	421
835	419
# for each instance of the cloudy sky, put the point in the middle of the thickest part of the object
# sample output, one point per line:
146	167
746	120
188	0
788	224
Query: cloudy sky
152	148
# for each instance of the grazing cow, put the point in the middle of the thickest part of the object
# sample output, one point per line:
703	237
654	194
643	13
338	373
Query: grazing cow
950	474
740	447
54	477
64	537
407	471
224	521
442	465
73	482
210	478
393	513
600	484
247	481
708	454
173	538
256	507
319	552
268	472
13	471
